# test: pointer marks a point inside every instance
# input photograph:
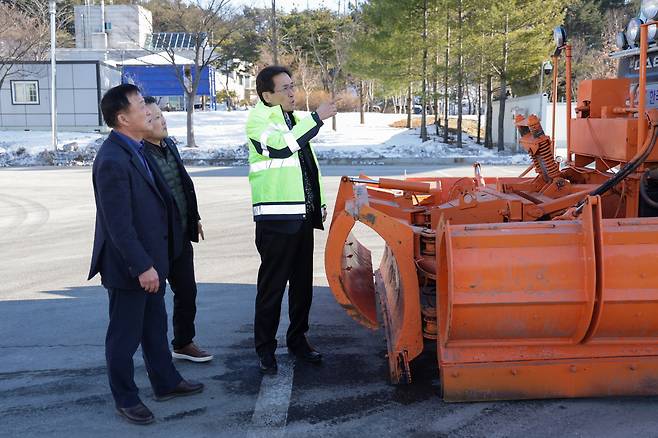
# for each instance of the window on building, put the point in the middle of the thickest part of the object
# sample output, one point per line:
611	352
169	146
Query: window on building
25	92
241	79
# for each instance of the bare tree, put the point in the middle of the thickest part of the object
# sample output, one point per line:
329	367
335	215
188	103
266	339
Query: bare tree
22	38
304	72
275	42
210	25
39	9
332	67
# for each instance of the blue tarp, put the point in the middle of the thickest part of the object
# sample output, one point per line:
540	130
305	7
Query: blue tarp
160	80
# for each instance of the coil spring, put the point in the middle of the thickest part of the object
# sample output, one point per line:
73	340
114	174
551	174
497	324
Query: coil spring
428	242
543	159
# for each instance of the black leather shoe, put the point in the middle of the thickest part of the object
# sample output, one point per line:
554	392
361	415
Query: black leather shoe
268	364
138	414
306	353
185	387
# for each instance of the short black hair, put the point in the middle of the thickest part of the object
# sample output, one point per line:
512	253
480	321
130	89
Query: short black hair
148	100
264	80
116	100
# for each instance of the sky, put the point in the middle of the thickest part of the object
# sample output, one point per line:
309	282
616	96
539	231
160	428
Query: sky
288	5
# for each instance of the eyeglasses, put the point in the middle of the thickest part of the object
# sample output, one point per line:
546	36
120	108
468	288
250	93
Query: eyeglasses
286	89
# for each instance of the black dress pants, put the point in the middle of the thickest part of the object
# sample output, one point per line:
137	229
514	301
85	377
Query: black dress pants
286	253
183	285
138	317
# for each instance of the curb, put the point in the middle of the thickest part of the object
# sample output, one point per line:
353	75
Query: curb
352	161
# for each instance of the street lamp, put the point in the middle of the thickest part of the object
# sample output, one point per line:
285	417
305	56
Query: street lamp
546	69
53	95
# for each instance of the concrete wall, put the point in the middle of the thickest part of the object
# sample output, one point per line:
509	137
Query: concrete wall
87	22
527	105
78	91
145	24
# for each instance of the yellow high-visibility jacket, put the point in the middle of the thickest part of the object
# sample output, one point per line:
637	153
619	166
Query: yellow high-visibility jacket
275	174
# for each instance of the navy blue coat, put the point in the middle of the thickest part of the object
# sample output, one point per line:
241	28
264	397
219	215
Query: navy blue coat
132	222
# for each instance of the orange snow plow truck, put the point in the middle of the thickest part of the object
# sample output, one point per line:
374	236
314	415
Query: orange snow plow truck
531	287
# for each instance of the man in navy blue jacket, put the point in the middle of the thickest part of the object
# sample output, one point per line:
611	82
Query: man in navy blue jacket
132	254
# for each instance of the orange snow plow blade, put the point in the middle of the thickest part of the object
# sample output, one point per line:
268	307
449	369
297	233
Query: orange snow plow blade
557	309
349	272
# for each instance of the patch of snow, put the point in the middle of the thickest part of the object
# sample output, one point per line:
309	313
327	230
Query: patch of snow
220	136
33	148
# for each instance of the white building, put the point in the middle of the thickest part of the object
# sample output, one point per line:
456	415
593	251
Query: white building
102	27
238	81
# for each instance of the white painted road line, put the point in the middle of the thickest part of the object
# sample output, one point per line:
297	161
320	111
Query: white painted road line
271	411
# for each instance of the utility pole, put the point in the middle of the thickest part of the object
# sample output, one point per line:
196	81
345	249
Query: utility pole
53	94
546	68
102	16
275	48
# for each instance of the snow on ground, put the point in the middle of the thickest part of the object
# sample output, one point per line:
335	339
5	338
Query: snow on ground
30	148
377	140
220	136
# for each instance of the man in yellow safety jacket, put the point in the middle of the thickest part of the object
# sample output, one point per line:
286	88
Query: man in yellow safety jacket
288	203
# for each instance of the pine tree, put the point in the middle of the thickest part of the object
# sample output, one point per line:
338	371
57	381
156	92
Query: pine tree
389	46
520	37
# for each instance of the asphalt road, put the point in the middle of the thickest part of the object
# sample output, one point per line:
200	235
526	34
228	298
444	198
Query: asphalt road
53	321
